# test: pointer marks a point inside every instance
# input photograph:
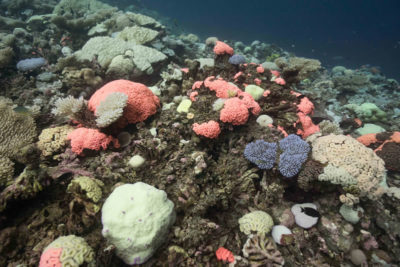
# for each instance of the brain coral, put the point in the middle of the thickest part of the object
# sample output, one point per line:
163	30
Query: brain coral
53	140
348	162
16	130
68	250
257	221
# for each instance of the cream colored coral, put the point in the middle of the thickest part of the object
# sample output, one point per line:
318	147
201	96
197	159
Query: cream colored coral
16	130
353	163
92	187
68	106
53	140
337	175
111	109
257	221
75	251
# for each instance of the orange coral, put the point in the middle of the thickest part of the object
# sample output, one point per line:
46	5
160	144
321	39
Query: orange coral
93	139
367	139
234	111
208	129
305	106
142	103
224	255
221	48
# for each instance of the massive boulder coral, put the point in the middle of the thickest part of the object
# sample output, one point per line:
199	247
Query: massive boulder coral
16	130
297	68
350	164
113	53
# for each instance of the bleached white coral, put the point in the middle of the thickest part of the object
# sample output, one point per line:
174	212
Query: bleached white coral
111	109
68	106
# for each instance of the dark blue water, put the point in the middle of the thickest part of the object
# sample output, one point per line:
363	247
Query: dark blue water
342	32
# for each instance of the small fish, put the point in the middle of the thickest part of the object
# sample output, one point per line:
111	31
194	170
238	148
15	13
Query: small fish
310	212
22	110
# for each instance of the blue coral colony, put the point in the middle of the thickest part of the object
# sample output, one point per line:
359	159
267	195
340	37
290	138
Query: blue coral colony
124	142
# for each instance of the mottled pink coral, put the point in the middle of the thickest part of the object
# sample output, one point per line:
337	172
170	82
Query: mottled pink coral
142	103
308	126
208	129
257	81
249	101
237	75
266	93
367	139
234	111
275	73
221	48
305	106
193	95
93	139
197	85
280	81
260	69
282	130
51	258
222	88
185	70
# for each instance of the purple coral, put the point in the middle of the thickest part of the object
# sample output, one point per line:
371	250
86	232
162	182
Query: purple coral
261	153
295	152
237	59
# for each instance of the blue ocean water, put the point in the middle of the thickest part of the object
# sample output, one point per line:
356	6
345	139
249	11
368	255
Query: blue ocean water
337	32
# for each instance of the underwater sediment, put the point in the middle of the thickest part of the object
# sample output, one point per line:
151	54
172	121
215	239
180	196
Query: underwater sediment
124	143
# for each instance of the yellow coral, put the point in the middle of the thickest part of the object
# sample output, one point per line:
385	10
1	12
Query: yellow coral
75	251
52	140
257	221
92	187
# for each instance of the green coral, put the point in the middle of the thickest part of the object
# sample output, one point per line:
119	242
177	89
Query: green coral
92	187
257	221
75	251
368	112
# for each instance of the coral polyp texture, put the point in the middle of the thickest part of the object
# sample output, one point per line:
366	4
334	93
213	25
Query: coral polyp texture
68	250
348	163
261	153
141	102
196	152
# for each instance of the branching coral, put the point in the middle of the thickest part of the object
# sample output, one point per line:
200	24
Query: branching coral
111	109
69	107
